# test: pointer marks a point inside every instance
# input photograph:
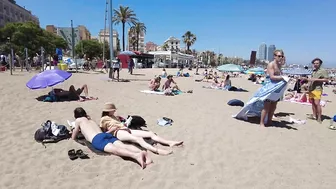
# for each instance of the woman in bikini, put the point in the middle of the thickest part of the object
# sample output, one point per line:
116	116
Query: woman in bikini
111	124
155	83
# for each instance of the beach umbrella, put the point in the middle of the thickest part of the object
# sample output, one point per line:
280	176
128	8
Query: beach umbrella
257	71
128	53
48	78
230	68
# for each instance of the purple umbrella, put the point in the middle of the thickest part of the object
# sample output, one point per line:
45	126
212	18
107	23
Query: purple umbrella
48	78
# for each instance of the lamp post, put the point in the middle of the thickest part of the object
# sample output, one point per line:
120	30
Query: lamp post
111	38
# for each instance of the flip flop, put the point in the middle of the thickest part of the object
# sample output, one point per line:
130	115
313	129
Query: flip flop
72	154
81	155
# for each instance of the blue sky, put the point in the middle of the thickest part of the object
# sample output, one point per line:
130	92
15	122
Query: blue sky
304	29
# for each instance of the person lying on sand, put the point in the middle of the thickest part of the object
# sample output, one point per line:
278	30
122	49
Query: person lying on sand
110	123
105	141
154	84
73	94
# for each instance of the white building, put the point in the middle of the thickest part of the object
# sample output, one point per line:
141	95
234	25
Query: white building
106	35
173	43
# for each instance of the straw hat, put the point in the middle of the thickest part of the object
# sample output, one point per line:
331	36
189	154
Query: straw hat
109	107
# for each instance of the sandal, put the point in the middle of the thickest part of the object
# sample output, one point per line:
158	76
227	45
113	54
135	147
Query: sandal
81	155
331	127
72	154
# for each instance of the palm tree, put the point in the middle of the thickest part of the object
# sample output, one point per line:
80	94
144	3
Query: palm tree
133	42
124	15
189	39
138	28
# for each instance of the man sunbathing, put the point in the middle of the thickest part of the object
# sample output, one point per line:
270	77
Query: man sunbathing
110	123
73	94
105	141
155	83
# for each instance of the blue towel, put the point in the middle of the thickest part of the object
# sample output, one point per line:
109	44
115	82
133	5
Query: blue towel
272	91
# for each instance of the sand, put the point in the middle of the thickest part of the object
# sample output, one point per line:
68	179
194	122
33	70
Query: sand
219	151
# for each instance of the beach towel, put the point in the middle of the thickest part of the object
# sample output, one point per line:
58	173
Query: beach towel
272	91
153	92
322	102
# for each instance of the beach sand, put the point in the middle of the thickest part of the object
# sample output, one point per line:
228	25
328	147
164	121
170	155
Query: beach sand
219	151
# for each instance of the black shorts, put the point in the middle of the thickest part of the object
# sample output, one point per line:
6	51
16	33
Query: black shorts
272	100
116	69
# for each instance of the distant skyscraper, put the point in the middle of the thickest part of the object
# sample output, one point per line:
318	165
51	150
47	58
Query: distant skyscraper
262	51
270	50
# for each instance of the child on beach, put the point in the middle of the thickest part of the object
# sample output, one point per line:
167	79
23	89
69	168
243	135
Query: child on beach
155	83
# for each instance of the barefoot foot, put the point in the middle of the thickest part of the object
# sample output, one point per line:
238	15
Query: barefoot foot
148	159
175	143
141	158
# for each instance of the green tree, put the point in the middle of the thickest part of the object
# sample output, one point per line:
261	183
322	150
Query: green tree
137	29
28	35
189	39
165	46
89	49
124	15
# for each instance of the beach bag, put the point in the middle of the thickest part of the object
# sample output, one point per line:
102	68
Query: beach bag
235	102
135	122
50	132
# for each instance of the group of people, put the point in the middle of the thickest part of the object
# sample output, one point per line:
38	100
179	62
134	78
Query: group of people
111	134
314	85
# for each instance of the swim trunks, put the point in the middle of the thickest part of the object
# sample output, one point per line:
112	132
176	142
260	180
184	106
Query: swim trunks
102	139
315	94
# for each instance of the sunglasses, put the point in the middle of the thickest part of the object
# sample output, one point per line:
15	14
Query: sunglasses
280	56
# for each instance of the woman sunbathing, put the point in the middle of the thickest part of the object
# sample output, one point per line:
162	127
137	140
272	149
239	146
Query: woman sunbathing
155	83
72	93
110	123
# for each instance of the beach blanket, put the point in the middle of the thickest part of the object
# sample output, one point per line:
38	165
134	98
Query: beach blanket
272	91
153	92
322	103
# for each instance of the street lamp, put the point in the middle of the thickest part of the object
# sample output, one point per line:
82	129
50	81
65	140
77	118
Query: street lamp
111	38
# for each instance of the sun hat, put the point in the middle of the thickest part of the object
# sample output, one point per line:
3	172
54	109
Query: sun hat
109	107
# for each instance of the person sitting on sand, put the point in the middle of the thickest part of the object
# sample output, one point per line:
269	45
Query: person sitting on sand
155	83
227	82
167	84
105	141
72	93
164	73
110	123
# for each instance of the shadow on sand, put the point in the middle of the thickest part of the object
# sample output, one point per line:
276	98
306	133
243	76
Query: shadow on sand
277	124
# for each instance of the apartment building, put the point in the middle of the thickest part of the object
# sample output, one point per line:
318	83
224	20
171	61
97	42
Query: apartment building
105	35
84	33
12	12
150	46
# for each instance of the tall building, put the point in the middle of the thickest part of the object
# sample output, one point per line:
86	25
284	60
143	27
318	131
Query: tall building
131	45
173	43
84	33
270	54
12	12
105	35
150	46
262	52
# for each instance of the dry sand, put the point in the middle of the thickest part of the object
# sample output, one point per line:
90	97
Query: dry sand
219	151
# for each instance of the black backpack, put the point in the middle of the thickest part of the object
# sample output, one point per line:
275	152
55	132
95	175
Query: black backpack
137	122
45	135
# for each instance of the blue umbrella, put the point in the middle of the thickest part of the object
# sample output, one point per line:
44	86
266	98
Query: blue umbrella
257	71
230	68
48	78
